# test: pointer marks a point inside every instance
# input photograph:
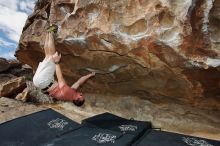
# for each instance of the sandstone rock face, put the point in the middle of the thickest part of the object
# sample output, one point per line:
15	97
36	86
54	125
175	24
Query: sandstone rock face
163	56
162	47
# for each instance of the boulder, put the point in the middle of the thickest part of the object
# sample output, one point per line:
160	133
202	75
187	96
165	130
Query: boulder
10	69
4	65
6	77
135	47
23	95
15	63
12	87
35	95
18	69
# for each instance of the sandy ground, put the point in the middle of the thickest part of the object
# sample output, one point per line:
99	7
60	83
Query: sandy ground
11	109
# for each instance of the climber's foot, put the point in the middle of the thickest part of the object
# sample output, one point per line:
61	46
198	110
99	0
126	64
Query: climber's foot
52	28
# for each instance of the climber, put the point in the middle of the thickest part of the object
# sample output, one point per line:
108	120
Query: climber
44	75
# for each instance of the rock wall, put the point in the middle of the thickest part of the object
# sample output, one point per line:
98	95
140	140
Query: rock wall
162	48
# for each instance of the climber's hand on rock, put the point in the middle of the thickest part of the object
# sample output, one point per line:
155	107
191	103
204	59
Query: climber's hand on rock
56	57
92	74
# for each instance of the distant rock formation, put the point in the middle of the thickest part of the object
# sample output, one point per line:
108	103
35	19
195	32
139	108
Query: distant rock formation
13	77
16	82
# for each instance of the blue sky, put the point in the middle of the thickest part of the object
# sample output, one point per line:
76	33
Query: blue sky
13	14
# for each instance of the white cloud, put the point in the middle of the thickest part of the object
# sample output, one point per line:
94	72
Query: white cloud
13	14
27	5
23	6
12	22
5	43
9	55
11	4
11	19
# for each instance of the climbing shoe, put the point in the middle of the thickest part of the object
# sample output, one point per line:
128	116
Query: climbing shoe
52	28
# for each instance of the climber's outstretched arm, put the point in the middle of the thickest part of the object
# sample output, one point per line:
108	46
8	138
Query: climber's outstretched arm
82	80
60	78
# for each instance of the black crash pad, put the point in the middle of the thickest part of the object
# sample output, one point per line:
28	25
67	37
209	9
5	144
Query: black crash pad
87	136
35	129
118	124
162	138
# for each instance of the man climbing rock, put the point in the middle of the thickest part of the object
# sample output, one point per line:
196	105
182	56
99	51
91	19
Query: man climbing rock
44	75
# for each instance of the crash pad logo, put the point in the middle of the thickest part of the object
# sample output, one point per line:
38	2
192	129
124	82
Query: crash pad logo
125	128
57	123
195	142
104	138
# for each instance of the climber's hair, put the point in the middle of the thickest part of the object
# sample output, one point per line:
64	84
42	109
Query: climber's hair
79	102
